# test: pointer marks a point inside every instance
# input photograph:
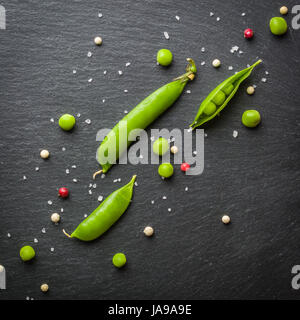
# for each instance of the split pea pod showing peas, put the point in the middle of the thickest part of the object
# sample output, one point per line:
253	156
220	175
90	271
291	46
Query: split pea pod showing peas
143	115
102	218
218	99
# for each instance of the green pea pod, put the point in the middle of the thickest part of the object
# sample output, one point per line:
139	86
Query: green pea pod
102	218
143	115
218	99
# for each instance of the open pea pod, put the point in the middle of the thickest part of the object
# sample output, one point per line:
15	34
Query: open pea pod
218	99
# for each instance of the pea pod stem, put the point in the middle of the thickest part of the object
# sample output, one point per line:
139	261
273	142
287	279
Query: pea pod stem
96	173
63	230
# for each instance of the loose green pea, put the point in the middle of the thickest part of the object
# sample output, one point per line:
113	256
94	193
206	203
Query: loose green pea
164	57
160	146
228	89
251	118
27	253
119	260
278	26
210	109
67	122
219	98
165	170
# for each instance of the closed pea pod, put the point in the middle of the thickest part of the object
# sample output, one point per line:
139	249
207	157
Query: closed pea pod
142	116
102	218
217	100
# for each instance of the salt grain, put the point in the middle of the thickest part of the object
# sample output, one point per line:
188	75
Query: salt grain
44	230
51	120
61	209
9	235
202	49
100	198
186	189
89	54
90	192
100	15
188	91
103	100
218	19
74	71
169	209
152	201
164	197
94	186
125	111
88	121
63	149
202	63
104	72
75	180
177	18
50	202
166	35
74	166
243	14
120	72
230	67
78	115
263	79
24	178
90	80
211	14
136	184
35	240
127	64
235	134
67	171
52	249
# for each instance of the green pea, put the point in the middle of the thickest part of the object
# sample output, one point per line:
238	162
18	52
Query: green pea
278	26
119	260
165	170
210	109
228	89
27	253
160	146
251	118
164	57
67	122
219	98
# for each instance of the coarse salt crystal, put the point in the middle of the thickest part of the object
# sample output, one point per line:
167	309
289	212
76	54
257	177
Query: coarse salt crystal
103	100
63	149
186	189
202	63
136	184
202	49
125	111
211	14
243	14
89	54
44	230
104	72
74	71
100	198
94	186
177	18
74	166
164	197
78	115
125	90
166	35
37	168
90	192
230	67
24	178
120	72
169	209
9	235
90	79
195	152
67	171
51	120
75	180
235	133
152	201
263	79
127	64
35	240
61	209
218	19
88	121
49	202
52	249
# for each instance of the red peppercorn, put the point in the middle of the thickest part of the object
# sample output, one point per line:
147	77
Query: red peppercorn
63	192
185	166
248	33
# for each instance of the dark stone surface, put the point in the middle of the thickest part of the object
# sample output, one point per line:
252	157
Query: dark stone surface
254	178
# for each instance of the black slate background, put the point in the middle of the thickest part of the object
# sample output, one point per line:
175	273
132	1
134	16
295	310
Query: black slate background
254	178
